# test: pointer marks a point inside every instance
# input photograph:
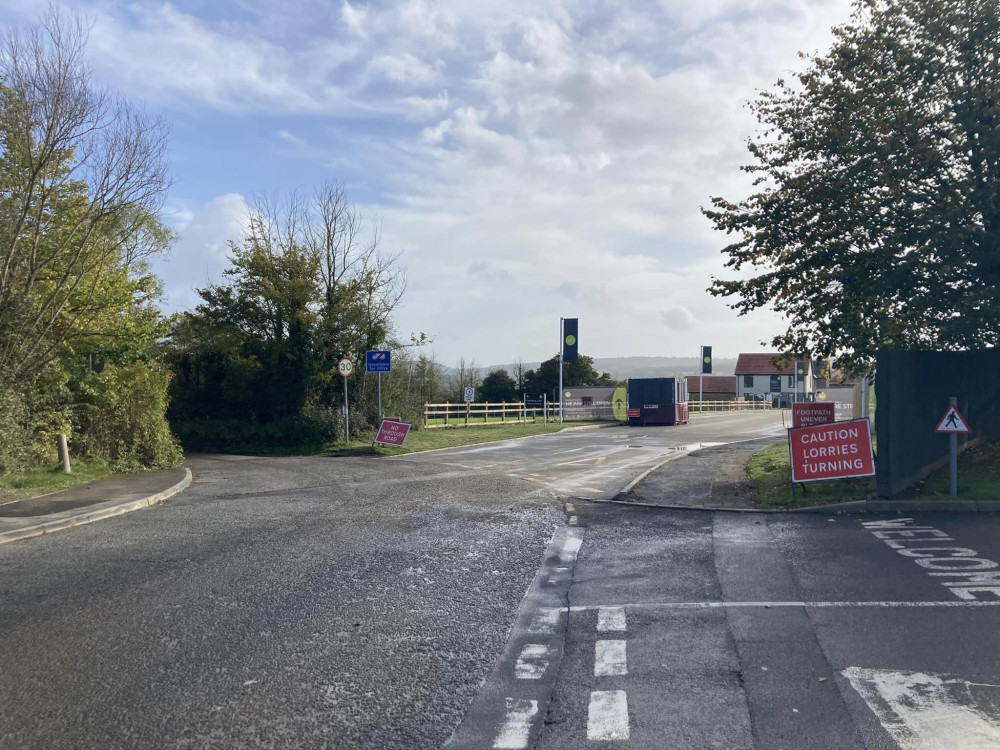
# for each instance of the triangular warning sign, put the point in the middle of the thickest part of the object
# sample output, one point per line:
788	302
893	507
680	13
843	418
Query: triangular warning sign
953	422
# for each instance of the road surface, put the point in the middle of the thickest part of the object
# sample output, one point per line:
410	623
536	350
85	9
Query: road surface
372	603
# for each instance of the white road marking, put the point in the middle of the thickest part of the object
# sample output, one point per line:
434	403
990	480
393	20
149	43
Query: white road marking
570	549
570	508
607	717
545	621
610	619
924	545
532	662
610	659
517	724
929	712
819	605
572	520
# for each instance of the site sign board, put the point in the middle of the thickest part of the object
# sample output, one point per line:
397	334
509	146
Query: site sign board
391	432
841	450
807	415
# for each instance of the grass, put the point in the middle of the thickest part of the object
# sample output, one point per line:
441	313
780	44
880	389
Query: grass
47	479
978	477
451	437
771	473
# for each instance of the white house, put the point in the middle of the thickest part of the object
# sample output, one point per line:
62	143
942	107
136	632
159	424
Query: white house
758	378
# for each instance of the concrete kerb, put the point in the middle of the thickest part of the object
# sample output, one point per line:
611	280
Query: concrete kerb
852	506
84	516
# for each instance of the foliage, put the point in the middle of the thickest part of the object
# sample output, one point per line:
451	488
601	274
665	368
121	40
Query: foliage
876	223
579	373
255	364
498	387
82	175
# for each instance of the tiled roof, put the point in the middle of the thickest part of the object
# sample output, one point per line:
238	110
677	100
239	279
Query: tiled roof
761	364
713	383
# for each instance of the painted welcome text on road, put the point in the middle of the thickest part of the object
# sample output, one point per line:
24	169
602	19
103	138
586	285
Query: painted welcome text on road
970	576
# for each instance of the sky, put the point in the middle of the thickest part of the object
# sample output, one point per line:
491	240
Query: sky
530	159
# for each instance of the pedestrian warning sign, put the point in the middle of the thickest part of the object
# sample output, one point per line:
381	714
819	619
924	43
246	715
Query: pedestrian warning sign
953	423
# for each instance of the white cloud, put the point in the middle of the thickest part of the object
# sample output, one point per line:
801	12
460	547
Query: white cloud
535	159
199	256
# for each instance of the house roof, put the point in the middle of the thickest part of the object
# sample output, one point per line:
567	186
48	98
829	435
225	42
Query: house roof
761	364
713	383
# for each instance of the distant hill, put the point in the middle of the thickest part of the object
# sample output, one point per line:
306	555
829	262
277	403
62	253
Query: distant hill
622	368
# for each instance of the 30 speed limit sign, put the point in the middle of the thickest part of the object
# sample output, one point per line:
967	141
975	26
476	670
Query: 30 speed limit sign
345	366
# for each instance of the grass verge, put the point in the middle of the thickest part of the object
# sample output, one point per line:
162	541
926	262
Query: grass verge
46	479
450	437
771	473
978	477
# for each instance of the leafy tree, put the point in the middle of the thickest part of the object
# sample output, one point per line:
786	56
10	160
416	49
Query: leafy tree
876	221
82	176
256	362
498	387
579	373
465	375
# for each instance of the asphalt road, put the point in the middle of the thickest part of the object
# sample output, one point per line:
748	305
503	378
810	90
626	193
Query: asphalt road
372	603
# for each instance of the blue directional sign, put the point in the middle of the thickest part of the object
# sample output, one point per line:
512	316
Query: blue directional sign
378	361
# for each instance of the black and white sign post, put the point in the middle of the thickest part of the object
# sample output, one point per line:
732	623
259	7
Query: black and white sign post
345	367
953	424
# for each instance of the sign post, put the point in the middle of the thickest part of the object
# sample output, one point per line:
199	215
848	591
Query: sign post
568	331
378	361
953	424
345	367
706	368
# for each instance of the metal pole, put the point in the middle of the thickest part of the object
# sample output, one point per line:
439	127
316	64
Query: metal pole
561	340
347	417
379	397
701	391
953	451
545	412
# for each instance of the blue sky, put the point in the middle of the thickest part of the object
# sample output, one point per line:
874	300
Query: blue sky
531	159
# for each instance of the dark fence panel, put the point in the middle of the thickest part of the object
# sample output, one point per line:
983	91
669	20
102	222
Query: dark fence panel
912	389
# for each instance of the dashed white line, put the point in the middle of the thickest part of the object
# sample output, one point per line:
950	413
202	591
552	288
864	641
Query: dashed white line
545	621
572	520
610	659
516	728
532	662
607	717
611	619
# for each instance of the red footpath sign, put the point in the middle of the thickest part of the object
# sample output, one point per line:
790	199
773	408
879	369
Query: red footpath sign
392	433
807	415
842	450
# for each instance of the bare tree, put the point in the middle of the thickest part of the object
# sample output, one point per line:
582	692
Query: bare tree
465	375
82	177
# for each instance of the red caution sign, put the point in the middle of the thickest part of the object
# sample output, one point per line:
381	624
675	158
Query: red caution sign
806	415
842	450
392	433
634	413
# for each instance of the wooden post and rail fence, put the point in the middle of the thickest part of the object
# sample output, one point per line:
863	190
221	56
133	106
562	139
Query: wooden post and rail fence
477	415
